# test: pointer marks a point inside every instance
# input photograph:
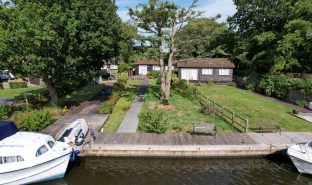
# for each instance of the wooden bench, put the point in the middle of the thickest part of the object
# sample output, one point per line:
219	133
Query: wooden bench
272	126
204	128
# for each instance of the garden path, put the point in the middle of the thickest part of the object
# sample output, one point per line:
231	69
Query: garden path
131	121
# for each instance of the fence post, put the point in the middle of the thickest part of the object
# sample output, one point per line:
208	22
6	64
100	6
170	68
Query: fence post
233	114
246	126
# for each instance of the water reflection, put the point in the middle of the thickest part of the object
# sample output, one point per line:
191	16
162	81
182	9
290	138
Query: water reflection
152	171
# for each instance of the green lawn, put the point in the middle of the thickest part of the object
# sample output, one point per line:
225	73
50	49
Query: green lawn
254	107
84	93
15	93
181	113
121	107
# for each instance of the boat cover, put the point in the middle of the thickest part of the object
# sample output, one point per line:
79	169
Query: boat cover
7	128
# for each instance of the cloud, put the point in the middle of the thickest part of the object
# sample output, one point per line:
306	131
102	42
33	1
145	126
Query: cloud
214	7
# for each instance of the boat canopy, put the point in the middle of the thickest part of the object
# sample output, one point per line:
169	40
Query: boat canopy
7	128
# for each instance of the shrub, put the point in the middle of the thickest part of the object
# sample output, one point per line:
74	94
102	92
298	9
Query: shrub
302	103
5	112
276	85
153	74
153	122
16	85
107	107
114	97
209	109
210	83
251	82
174	80
184	89
122	79
34	120
123	67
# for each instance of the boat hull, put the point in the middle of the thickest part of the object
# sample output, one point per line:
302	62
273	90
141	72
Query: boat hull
302	166
50	170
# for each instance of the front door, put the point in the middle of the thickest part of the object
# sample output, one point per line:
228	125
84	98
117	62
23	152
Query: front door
142	69
189	74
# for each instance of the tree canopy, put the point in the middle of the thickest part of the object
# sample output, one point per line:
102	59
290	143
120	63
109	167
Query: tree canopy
60	41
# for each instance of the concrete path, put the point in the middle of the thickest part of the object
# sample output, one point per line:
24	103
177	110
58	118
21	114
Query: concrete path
131	120
305	116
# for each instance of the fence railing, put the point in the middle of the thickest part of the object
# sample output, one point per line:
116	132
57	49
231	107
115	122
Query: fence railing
228	115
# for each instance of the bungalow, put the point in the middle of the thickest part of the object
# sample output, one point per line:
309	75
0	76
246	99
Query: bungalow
143	67
206	69
110	66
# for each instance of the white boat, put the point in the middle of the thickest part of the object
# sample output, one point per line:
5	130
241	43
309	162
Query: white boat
301	156
27	157
75	133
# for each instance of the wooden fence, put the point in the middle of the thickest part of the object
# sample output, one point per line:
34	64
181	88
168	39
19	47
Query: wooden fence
235	120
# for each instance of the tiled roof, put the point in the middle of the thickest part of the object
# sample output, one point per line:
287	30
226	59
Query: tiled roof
206	62
147	62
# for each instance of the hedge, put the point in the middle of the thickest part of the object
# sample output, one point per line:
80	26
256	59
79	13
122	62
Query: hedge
16	85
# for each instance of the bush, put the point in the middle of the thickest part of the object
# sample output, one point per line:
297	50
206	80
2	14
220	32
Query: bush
302	103
210	83
16	85
122	79
276	85
209	109
34	120
114	97
153	74
107	107
5	112
184	89
153	122
123	67
251	82
174	80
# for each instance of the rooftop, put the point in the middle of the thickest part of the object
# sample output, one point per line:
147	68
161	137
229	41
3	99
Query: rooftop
206	62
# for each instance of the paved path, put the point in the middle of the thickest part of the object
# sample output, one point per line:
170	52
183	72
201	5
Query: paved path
305	116
131	120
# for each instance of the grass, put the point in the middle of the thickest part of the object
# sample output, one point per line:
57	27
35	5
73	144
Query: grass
255	108
84	93
16	93
181	113
121	107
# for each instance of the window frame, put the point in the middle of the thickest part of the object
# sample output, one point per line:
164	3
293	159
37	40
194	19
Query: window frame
50	145
113	66
224	72
40	154
210	71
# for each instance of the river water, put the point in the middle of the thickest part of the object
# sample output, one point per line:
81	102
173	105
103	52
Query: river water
155	171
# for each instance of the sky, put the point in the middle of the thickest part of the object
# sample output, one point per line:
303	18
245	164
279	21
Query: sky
210	7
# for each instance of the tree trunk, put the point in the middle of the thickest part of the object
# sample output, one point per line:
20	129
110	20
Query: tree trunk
163	98
52	91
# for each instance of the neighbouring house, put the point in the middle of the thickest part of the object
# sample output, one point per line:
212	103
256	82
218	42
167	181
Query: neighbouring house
109	68
143	67
206	69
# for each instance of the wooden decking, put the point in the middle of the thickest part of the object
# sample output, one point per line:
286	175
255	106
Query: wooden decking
186	145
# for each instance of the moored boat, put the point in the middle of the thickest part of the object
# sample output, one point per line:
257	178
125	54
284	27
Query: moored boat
301	156
75	133
28	157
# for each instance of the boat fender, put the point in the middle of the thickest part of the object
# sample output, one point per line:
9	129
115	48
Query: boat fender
73	155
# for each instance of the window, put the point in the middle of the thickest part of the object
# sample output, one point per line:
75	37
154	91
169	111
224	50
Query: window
9	159
51	144
156	68
113	66
19	158
0	160
207	71
224	72
43	149
104	67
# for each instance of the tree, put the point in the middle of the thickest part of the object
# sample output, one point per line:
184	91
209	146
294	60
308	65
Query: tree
62	42
163	19
260	25
202	37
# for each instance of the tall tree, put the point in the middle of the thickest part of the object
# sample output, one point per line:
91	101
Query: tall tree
60	41
202	37
163	19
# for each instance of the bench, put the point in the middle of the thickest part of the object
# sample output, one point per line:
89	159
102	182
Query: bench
272	126
204	128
